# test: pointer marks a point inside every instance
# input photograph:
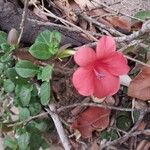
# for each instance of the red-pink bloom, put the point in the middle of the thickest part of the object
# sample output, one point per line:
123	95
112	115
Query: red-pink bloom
99	71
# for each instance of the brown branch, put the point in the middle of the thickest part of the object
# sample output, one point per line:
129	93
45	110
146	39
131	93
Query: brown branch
65	142
24	16
63	108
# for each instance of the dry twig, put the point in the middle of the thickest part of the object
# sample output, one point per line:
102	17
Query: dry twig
59	127
24	15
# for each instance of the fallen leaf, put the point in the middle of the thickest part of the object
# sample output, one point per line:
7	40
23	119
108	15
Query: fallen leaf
94	146
83	4
120	23
90	120
140	85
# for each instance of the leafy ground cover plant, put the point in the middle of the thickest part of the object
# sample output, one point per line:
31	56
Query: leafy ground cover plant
29	87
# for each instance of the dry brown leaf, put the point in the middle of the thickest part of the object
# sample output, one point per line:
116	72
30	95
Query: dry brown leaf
91	119
119	23
94	146
83	4
136	26
68	11
140	85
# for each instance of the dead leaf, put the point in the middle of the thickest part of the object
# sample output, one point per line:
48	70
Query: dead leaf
90	120
136	26
83	4
140	85
94	146
119	23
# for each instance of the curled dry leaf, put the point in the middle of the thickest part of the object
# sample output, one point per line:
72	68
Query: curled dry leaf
90	120
140	85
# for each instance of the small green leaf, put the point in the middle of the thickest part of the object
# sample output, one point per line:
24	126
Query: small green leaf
13	76
124	123
136	115
25	95
3	37
26	69
111	135
45	93
6	57
23	141
46	73
9	86
35	108
24	114
143	15
41	126
55	39
11	143
1	67
7	48
44	37
40	51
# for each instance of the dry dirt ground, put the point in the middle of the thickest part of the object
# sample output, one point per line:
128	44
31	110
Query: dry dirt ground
129	7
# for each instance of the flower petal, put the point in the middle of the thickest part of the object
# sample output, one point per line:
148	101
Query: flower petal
83	81
106	86
116	64
105	46
85	56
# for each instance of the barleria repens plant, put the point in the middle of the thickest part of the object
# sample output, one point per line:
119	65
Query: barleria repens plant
26	88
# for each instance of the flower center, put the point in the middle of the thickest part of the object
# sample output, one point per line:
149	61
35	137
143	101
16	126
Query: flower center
99	75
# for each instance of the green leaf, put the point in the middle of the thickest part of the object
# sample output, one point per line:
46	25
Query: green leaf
143	15
136	115
41	126
11	143
3	37
55	39
25	95
66	53
7	47
6	57
26	69
124	123
35	108
40	51
13	76
23	141
44	37
1	67
111	135
9	86
24	114
46	73
45	93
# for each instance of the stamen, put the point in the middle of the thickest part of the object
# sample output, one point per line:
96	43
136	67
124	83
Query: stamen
99	75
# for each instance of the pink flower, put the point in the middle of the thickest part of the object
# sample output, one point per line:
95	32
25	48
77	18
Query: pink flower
99	71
